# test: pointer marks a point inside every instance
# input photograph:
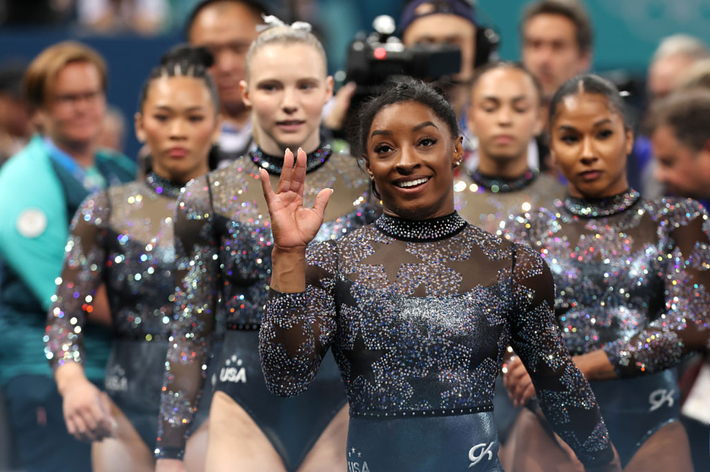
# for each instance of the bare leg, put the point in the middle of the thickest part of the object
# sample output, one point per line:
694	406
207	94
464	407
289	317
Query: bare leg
196	449
667	449
536	451
506	451
126	451
235	442
328	453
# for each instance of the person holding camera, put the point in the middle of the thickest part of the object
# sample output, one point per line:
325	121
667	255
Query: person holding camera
434	22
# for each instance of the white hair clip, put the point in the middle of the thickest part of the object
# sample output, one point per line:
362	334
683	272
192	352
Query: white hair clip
302	26
271	21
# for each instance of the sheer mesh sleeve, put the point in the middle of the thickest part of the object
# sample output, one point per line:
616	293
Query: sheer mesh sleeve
683	327
196	279
298	328
85	255
564	394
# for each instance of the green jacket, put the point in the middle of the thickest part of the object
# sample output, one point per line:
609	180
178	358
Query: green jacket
38	199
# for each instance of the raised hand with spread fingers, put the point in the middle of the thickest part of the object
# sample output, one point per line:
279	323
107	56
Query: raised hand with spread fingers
293	226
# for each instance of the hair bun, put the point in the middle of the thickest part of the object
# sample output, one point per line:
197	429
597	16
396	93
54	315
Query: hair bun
190	55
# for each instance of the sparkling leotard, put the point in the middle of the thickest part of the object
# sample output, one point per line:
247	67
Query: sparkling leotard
631	277
223	242
124	238
487	201
418	314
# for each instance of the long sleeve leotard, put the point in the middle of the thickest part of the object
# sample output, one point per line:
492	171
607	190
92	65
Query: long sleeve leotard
418	315
223	245
631	276
122	238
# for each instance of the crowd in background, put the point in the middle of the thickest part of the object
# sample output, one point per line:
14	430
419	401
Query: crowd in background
670	155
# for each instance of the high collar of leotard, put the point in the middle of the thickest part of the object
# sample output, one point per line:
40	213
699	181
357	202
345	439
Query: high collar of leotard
162	186
501	184
601	207
274	164
433	229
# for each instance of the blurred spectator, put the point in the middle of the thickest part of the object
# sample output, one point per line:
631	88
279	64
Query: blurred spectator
680	132
35	12
15	125
107	16
674	58
113	133
557	42
697	75
675	55
227	28
41	187
444	22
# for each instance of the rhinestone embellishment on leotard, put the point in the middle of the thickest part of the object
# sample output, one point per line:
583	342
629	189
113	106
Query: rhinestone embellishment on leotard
500	185
162	185
274	164
601	207
432	229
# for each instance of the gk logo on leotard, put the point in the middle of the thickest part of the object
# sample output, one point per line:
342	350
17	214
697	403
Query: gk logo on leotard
233	371
477	453
659	397
354	464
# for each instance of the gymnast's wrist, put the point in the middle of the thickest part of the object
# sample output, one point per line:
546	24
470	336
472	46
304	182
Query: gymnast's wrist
288	273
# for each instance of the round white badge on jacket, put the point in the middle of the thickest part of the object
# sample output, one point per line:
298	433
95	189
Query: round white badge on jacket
31	222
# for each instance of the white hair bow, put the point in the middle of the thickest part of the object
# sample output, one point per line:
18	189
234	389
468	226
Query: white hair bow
272	21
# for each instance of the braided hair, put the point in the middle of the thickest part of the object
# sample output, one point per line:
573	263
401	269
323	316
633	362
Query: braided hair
183	61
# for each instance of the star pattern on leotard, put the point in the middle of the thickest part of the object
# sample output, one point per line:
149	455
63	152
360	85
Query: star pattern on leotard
459	267
383	255
427	388
361	359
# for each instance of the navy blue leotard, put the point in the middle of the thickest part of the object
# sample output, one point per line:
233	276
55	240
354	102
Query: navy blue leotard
631	277
418	315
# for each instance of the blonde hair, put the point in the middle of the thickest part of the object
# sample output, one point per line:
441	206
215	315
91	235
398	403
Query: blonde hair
698	75
42	72
277	32
683	45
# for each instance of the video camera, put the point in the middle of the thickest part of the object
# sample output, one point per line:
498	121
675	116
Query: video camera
373	58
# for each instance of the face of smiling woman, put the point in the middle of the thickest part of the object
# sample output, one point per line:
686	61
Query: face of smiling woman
411	155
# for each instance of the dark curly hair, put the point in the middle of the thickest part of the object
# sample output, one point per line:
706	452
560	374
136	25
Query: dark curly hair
401	90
